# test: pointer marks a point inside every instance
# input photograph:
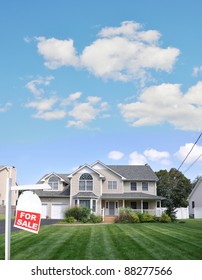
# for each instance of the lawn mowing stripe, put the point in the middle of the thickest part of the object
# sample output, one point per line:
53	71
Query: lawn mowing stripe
33	245
142	246
127	247
79	240
183	248
114	241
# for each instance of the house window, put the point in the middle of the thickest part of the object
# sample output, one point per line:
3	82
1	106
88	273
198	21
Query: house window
94	206
145	205
144	186
54	183
107	204
112	185
193	204
133	205
84	203
86	182
133	186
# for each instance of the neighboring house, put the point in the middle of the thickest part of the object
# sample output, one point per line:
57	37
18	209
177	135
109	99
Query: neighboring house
102	188
195	200
5	173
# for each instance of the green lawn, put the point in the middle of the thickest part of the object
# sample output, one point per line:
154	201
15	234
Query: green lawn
113	242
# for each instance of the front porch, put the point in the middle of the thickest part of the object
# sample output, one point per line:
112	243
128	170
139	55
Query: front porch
111	208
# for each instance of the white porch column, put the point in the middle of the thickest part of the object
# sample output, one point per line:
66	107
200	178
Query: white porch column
141	207
123	203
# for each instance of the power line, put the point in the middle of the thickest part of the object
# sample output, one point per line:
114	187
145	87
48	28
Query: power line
189	151
193	163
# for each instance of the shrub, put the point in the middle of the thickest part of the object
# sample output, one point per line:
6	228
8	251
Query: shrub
147	217
140	216
127	218
135	218
126	210
79	213
95	218
164	218
70	219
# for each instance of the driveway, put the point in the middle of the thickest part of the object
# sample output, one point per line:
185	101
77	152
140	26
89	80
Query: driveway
43	222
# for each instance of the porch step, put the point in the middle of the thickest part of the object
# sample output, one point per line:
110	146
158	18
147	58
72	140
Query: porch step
109	219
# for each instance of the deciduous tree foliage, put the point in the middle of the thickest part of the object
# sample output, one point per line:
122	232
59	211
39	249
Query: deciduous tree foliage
174	186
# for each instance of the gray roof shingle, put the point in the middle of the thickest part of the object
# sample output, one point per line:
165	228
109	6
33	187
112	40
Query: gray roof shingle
135	172
135	195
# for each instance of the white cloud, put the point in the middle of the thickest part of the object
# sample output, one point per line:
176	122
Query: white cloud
57	52
79	114
166	103
157	156
137	159
83	113
42	105
36	86
197	71
71	98
50	115
121	53
161	157
184	150
115	155
5	107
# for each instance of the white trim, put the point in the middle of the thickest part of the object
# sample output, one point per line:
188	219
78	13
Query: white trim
83	166
51	174
123	178
194	189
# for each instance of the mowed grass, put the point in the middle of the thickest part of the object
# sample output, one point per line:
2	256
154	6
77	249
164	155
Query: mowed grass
150	241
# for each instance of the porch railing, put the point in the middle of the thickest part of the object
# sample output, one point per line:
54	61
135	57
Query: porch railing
157	211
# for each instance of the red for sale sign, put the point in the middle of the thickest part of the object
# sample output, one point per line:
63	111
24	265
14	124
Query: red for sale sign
28	221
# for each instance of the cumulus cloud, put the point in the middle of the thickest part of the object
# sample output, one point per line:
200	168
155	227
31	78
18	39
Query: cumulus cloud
166	103
115	155
197	71
85	112
136	158
184	150
160	156
121	53
57	52
49	106
4	108
36	86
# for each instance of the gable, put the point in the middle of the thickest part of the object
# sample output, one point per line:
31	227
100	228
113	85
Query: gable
85	169
98	165
197	190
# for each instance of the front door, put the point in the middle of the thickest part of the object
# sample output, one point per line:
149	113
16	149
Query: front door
111	208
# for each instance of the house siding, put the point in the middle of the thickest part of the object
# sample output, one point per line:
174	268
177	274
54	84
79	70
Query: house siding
151	187
196	197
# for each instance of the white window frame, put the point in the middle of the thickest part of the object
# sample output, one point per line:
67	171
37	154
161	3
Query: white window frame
86	186
131	183
112	185
54	184
145	186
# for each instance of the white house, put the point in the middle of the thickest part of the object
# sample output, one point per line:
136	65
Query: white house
5	173
195	200
102	188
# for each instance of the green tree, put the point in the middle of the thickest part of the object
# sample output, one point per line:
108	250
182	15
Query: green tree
174	186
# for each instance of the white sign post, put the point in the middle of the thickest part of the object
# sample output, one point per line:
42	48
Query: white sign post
9	189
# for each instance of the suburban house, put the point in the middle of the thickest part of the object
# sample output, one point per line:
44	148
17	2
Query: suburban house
102	188
195	200
5	173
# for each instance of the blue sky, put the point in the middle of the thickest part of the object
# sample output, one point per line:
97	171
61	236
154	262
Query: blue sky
115	81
